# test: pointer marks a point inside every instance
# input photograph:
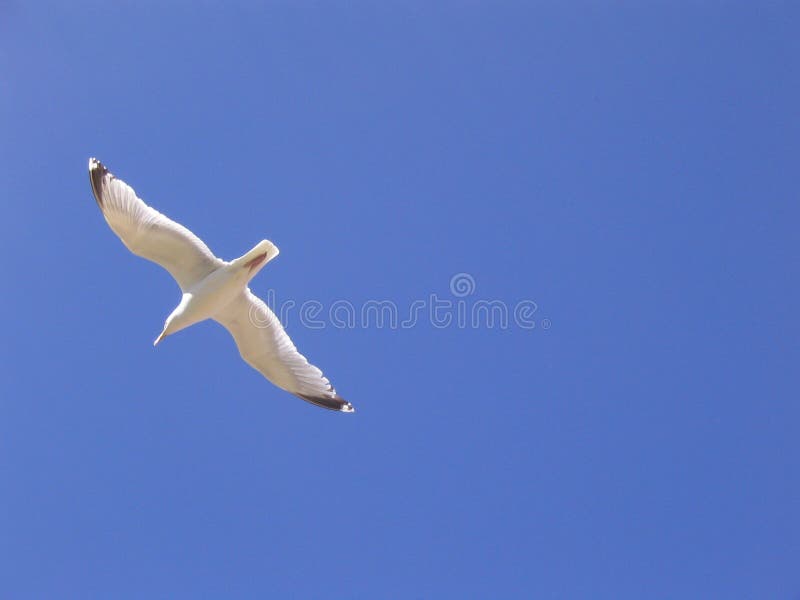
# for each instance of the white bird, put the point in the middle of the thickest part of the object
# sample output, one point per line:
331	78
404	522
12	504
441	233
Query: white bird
213	289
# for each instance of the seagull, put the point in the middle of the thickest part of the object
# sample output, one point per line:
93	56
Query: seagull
213	289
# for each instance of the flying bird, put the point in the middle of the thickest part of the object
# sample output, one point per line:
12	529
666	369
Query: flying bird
213	289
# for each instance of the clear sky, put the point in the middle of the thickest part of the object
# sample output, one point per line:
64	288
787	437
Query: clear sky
627	174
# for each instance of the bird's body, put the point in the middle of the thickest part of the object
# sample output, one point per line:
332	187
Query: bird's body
213	289
209	296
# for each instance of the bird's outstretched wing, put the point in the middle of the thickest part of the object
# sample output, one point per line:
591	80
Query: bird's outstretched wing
266	347
148	233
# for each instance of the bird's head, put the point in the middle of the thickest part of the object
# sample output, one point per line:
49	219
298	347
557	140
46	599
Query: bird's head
170	327
163	334
176	320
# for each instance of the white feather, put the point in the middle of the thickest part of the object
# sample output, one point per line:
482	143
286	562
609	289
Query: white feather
208	284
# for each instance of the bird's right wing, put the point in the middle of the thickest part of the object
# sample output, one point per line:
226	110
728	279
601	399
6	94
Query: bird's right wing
265	346
148	233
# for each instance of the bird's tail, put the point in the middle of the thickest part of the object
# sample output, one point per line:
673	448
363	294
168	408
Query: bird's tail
254	260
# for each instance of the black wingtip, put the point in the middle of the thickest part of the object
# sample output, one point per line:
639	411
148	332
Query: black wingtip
336	403
96	173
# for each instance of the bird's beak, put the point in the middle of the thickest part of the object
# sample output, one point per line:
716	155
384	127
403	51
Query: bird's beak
160	337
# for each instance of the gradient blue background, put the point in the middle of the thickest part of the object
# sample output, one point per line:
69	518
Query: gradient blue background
633	170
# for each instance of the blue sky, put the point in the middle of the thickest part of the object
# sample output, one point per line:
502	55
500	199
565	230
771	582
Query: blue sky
631	170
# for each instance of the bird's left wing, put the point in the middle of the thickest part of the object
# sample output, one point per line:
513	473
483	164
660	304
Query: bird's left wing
148	233
265	346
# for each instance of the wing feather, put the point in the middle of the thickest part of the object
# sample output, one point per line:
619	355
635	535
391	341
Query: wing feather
148	233
265	346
